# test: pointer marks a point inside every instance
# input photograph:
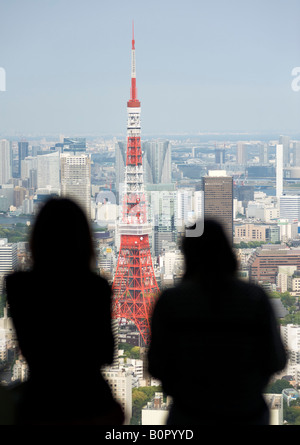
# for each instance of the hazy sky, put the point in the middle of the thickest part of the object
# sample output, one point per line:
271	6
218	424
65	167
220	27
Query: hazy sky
202	66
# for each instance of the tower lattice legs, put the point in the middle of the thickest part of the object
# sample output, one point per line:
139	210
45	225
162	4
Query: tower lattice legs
135	288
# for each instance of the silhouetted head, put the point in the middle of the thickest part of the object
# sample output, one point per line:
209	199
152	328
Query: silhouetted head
209	255
61	237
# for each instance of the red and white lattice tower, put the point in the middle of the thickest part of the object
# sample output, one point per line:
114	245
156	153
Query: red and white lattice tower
134	287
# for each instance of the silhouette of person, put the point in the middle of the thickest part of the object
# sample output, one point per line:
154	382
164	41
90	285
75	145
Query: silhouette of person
61	313
215	342
7	411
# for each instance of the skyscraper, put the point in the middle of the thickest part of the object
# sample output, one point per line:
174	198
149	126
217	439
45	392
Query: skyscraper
161	192
162	200
157	161
76	180
23	153
134	286
241	153
5	161
296	154
218	199
263	153
120	164
285	142
279	171
48	170
220	155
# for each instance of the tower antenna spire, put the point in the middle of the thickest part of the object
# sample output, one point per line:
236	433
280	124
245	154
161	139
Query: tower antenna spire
133	90
133	42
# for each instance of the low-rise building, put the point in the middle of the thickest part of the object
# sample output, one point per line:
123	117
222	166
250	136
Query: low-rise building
275	405
156	412
20	371
264	263
290	394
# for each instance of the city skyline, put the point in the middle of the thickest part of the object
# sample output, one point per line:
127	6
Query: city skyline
215	67
218	68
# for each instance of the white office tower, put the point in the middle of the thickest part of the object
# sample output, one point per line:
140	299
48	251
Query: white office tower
8	259
76	180
185	208
120	382
5	161
27	164
290	208
279	171
48	171
291	339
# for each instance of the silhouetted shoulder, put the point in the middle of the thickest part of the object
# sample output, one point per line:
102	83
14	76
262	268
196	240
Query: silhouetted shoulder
74	304
251	289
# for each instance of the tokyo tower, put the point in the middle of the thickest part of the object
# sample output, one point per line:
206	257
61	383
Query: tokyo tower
134	287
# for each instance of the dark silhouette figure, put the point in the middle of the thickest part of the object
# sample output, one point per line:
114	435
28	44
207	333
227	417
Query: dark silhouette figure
6	406
215	341
61	313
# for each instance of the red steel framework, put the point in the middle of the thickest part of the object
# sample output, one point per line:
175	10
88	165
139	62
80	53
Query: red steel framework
134	288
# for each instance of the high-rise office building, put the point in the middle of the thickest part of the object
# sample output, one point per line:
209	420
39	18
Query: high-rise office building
285	142
120	163
218	199
28	164
23	152
48	170
241	153
120	382
296	154
76	180
185	208
5	161
220	156
8	259
290	207
279	172
263	153
162	213
157	162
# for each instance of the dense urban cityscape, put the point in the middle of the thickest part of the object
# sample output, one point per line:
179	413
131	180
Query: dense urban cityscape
140	193
257	184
